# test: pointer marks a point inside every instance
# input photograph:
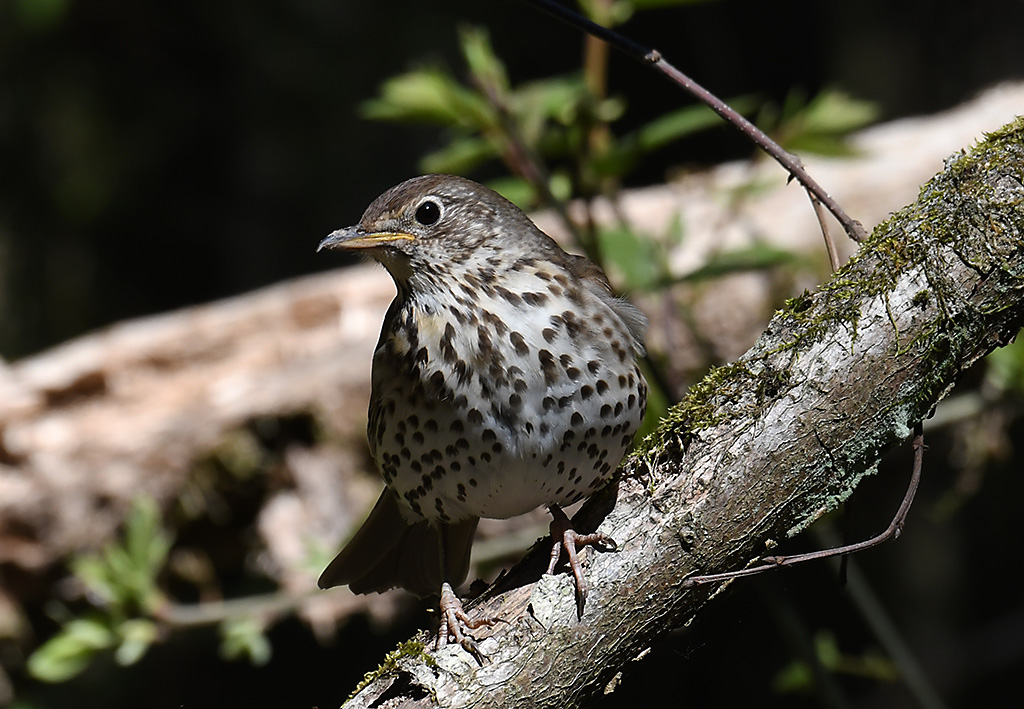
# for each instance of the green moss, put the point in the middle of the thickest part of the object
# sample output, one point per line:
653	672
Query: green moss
701	408
906	239
412	649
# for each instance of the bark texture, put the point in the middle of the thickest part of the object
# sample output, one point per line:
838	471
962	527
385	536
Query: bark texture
761	447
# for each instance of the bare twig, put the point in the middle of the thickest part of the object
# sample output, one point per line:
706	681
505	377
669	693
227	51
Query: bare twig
652	56
891	532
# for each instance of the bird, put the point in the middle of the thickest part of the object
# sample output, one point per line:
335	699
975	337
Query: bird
505	378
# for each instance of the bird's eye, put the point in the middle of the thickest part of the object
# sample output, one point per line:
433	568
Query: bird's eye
428	213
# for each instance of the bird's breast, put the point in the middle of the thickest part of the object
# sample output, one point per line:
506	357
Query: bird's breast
496	400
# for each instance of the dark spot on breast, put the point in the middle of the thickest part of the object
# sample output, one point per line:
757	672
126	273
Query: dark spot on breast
576	419
495	322
572	323
548	366
602	386
508	295
519	343
484	342
586	391
436	380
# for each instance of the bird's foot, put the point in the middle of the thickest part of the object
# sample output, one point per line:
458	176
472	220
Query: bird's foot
565	537
454	619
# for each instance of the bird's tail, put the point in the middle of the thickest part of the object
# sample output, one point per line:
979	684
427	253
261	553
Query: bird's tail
388	552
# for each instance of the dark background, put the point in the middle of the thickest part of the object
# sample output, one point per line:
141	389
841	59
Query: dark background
159	154
164	153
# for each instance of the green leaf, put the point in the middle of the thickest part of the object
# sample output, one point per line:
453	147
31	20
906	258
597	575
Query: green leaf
516	190
123	575
92	571
483	64
430	96
244	638
837	112
137	635
1005	370
663	130
794	677
557	98
460	156
69	652
822	124
638	259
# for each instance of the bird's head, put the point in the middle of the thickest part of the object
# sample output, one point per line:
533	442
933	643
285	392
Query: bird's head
430	225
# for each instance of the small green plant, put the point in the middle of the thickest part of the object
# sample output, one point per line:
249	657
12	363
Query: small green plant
129	610
121	581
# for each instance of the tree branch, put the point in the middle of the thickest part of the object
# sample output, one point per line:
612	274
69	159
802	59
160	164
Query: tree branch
764	446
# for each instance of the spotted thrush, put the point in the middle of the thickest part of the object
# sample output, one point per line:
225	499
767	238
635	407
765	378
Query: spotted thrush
505	378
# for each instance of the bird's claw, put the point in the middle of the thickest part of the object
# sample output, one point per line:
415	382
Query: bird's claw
454	618
565	537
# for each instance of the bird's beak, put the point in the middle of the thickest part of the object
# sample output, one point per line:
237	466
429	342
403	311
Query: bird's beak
354	237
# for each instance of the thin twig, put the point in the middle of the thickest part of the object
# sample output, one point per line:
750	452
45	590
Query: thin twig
521	159
830	245
653	57
891	532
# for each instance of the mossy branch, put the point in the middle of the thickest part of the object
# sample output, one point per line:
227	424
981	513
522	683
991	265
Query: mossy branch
764	446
